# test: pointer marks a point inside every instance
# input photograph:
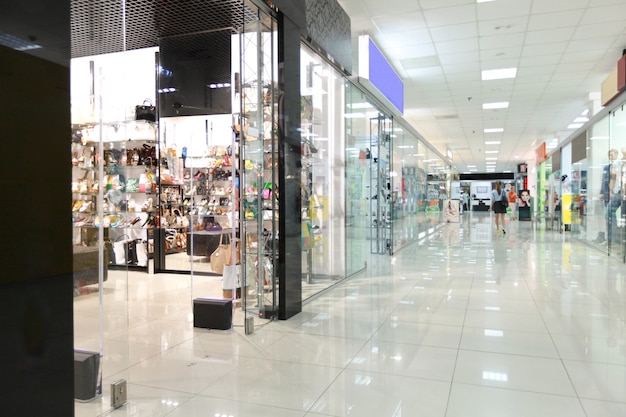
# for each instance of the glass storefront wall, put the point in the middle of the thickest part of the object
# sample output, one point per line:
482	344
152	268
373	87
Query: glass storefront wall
325	256
155	186
596	196
596	185
368	171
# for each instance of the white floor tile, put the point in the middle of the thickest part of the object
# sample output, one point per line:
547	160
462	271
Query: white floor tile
202	406
477	401
274	383
406	360
596	381
508	341
419	334
515	372
467	324
361	393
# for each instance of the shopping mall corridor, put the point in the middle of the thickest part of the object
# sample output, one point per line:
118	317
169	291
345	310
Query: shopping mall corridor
468	323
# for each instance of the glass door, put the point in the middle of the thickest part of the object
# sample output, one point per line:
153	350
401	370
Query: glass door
381	195
258	166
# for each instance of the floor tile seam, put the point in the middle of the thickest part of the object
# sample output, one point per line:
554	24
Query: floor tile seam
200	395
528	391
130	384
518	355
418	378
561	359
179	346
510	330
458	350
291	362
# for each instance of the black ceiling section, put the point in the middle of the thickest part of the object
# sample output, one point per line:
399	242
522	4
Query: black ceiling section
97	25
491	176
190	64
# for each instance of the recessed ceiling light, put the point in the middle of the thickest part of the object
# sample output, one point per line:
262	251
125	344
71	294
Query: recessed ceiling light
498	74
494	130
492	151
575	125
581	120
483	1
493	142
491	159
16	43
496	105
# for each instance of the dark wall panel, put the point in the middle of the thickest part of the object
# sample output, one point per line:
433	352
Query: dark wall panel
36	309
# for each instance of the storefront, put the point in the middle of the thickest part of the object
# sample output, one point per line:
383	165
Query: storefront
226	155
580	185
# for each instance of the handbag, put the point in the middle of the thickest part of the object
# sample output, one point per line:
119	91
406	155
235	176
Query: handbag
146	111
504	200
220	256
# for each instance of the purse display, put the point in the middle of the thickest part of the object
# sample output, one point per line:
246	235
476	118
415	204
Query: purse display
146	111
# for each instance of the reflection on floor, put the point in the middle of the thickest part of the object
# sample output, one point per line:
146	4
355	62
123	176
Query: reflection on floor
469	323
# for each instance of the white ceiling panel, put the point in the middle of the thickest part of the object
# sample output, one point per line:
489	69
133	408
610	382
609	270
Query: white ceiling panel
515	24
445	16
563	49
502	42
410	21
552	49
454	32
397	39
613	28
503	9
451	47
558	6
377	8
552	35
555	20
595	15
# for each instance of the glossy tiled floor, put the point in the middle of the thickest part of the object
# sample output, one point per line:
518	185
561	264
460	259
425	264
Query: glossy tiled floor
467	324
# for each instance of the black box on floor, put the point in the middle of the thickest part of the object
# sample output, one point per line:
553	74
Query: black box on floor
212	313
86	369
267	312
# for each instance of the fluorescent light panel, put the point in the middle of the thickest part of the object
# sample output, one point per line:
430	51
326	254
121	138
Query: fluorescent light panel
493	142
575	125
499	74
494	130
496	105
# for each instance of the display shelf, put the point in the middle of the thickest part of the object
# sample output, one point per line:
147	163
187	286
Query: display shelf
113	171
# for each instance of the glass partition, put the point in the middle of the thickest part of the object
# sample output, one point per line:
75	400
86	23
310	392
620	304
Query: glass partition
597	194
115	207
323	174
257	190
615	208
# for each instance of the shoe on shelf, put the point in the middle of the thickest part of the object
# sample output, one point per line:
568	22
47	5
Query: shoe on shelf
497	230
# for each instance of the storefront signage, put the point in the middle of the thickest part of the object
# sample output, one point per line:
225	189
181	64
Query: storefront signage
541	153
374	67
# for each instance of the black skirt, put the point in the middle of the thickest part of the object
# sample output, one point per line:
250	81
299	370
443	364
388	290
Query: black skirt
498	207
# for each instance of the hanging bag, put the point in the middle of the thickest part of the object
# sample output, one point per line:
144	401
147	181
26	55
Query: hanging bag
504	200
145	111
221	256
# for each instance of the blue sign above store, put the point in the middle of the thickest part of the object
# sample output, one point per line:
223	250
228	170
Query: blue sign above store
374	66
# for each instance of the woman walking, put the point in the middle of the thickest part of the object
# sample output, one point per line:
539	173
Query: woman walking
497	195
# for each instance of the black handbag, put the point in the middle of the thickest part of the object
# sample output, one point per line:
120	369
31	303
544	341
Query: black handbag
146	111
504	200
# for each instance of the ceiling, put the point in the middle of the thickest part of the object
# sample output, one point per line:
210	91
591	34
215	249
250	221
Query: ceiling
562	49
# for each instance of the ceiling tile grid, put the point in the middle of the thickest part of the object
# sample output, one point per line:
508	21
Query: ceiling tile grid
562	50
